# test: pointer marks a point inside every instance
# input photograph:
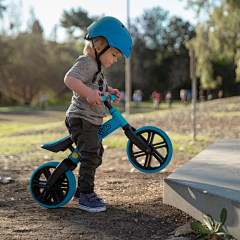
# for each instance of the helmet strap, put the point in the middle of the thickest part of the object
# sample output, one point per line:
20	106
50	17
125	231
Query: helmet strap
104	50
97	57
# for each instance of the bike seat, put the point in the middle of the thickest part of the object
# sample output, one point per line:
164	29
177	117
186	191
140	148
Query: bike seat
60	145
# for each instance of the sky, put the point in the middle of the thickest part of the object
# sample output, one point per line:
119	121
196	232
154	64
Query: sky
49	12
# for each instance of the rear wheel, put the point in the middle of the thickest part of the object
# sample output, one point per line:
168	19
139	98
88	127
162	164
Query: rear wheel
160	154
61	192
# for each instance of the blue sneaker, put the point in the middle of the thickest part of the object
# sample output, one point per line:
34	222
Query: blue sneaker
77	194
91	203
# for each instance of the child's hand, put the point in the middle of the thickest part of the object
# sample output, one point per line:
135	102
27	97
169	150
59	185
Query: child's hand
119	95
94	97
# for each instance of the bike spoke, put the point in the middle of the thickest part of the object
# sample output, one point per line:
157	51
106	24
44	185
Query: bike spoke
46	172
150	137
39	183
147	164
61	186
55	196
61	194
160	145
138	154
158	156
42	196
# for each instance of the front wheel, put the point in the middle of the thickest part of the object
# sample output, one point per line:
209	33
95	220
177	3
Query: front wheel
160	154
60	194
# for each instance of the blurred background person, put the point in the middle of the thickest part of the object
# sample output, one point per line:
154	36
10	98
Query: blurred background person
168	99
43	100
183	96
220	94
157	99
189	96
137	97
122	100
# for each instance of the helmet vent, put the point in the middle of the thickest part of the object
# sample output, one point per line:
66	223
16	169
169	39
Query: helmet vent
122	26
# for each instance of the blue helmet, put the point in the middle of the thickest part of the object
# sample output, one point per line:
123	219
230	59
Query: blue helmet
114	31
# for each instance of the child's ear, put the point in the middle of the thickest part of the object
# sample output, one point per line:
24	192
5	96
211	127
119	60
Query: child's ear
98	48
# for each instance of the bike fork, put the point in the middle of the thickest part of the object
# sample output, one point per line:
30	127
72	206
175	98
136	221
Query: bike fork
69	163
135	139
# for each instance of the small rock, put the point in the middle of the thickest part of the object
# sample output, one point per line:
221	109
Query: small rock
107	170
191	143
124	158
5	180
177	238
181	148
183	230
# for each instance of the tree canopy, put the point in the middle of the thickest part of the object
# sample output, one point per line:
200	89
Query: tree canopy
30	63
217	43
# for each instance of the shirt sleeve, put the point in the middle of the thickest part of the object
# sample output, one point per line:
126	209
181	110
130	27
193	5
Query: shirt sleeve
78	70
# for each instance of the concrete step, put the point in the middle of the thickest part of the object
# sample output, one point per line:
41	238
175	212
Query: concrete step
208	183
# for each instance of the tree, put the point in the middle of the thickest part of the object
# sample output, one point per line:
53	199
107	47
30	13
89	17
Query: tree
176	33
2	9
76	20
23	77
33	65
150	27
206	6
217	42
36	28
159	57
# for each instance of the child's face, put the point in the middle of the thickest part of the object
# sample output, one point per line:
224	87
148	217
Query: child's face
109	57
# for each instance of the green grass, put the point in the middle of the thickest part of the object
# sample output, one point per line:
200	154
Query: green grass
115	141
233	105
146	106
26	137
185	143
29	139
224	114
10	128
180	142
20	144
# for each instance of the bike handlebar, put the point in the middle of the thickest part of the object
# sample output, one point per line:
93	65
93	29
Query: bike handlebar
109	98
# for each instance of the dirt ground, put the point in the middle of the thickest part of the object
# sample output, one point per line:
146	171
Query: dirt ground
135	208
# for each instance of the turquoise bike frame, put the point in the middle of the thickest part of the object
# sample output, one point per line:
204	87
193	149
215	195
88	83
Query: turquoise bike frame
112	124
105	129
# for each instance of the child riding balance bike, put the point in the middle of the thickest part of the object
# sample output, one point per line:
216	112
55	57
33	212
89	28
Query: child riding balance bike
149	149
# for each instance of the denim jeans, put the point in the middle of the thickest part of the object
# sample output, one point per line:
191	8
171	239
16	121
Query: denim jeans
85	136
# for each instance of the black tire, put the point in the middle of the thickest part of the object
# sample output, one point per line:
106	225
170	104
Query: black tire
60	194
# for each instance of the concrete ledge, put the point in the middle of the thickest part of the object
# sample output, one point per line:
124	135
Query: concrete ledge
208	183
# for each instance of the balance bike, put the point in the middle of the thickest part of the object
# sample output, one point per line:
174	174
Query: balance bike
149	149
